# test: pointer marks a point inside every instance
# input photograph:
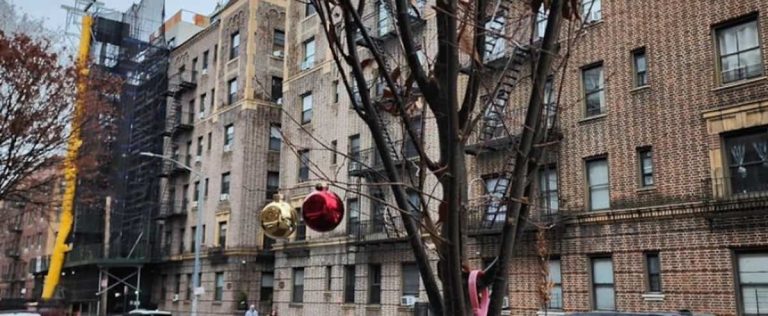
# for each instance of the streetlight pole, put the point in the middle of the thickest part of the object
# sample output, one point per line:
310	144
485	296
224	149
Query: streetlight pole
199	227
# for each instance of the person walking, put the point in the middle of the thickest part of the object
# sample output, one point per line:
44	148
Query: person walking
252	311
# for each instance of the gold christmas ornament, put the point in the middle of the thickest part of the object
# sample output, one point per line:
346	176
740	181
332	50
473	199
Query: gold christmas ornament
278	218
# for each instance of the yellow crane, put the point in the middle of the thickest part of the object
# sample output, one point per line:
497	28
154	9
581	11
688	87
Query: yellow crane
70	164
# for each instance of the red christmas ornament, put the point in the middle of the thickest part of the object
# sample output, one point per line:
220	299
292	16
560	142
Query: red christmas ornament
322	210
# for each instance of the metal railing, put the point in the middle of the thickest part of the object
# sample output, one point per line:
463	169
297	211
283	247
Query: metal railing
182	80
511	123
369	159
174	207
377	230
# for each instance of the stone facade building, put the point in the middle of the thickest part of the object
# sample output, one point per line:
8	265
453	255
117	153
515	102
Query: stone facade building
224	123
651	197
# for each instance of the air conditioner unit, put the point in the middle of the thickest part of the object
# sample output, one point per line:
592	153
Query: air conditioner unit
505	303
198	158
224	197
278	53
194	204
228	147
306	64
204	71
408	300
201	115
175	297
595	16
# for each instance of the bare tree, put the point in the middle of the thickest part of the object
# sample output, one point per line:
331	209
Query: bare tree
462	31
36	98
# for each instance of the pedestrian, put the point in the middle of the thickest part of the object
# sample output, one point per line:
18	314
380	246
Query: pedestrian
252	311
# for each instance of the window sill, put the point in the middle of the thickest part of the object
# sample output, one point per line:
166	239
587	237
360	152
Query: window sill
653	297
216	303
233	60
640	89
374	307
347	306
550	313
592	24
646	189
296	305
739	84
593	118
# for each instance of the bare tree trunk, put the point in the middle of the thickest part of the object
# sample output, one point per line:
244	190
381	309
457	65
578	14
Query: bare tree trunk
526	155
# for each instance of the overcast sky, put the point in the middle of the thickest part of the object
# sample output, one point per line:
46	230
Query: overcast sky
56	17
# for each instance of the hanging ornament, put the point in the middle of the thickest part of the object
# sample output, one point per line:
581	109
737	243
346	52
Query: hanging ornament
322	210
278	218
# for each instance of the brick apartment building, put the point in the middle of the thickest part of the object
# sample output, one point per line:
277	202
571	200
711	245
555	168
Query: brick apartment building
652	199
27	239
224	120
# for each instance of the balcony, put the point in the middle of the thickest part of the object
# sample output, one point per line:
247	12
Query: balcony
388	229
176	169
182	81
368	161
217	254
487	218
174	208
12	252
381	24
742	194
494	133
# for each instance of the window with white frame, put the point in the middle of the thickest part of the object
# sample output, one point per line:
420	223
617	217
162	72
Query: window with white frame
232	97
297	291
591	10
541	22
646	167
640	67
384	21
496	211
306	108
738	48
410	278
556	291
303	165
234	48
599	187
229	137
548	190
309	54
275	137
746	154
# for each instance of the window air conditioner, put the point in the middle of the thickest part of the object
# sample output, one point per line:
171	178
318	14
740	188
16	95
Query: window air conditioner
408	300
175	297
505	303
204	71
194	203
201	115
224	197
227	147
198	158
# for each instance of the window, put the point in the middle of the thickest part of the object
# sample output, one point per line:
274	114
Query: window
548	190
163	282
304	165
190	286
410	279
353	222
234	48
646	167
541	22
193	238
496	187
306	108
277	90
309	54
591	10
194	69
640	67
301	228
205	190
215	52
414	201
202	105
594	94
738	48
349	284
747	158
191	112
550	107
267	287
200	146
213	98
354	149
222	242
278	43
653	268
336	91
328	279
334	150
177	285
599	188
232	97
384	22
602	284
309	9
273	184
205	60
219	291
209	141
196	194
753	282
181	245
374	284
225	179
229	137
297	293
275	137
556	292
